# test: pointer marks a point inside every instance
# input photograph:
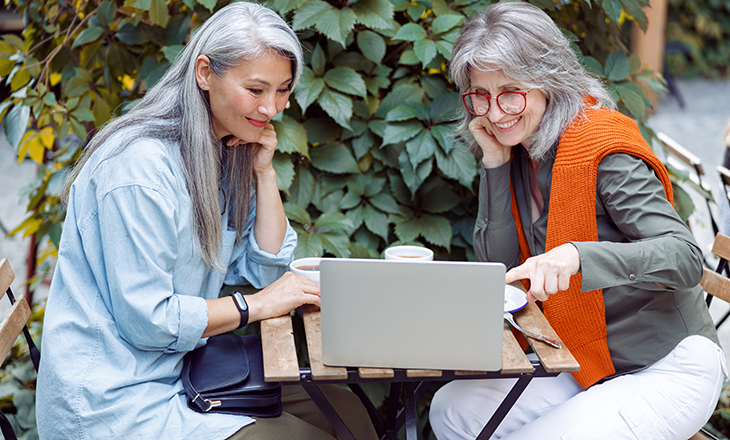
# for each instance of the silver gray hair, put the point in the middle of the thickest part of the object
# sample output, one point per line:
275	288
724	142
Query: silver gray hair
523	42
177	110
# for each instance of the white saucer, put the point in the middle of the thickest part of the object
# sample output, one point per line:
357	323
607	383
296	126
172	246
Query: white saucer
514	299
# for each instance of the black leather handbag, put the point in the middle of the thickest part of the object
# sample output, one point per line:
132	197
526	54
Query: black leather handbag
227	376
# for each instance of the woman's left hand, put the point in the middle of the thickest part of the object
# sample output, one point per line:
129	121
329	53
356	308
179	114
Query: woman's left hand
264	149
548	273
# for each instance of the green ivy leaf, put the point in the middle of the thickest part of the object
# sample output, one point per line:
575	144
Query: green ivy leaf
444	48
445	107
401	132
612	8
302	188
298	214
285	6
83	114
337	105
16	123
350	200
308	245
385	203
617	66
336	24
445	23
436	197
459	164
413	178
376	221
410	32
308	14
284	171
593	66
376	14
335	158
444	135
107	12
318	62
291	136
208	4
408	230
332	222
308	89
337	244
87	35
632	96
436	230
425	50
421	147
345	80
371	45
405	113
171	52
159	14
397	96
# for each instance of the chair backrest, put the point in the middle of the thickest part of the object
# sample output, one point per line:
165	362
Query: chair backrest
715	283
675	149
724	178
13	323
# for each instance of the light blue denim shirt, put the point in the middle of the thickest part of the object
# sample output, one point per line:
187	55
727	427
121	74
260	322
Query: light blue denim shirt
127	302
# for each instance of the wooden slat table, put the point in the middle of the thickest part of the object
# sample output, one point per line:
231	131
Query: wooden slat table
281	365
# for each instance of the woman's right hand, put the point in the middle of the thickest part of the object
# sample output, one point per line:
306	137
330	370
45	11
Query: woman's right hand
495	154
282	296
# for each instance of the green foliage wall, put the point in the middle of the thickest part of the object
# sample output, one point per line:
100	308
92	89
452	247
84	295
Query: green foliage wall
366	157
698	35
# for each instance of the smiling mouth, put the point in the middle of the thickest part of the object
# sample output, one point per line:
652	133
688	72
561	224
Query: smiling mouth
257	123
508	124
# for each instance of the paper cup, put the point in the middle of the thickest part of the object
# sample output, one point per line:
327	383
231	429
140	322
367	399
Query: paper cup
409	253
308	267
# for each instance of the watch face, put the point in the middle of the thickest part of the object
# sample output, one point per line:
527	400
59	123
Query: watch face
240	302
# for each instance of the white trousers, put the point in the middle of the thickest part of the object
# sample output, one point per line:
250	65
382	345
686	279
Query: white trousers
671	400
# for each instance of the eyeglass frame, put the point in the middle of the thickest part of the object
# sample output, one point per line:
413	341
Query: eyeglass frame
489	101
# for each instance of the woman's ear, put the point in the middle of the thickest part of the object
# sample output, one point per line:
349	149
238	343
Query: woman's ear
202	71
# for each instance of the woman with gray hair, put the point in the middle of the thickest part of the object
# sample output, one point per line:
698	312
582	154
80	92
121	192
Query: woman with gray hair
573	201
168	203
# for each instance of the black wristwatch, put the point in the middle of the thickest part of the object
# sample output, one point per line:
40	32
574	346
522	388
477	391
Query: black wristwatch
242	307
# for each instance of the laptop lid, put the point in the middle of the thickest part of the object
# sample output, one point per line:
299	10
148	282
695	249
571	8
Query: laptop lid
441	315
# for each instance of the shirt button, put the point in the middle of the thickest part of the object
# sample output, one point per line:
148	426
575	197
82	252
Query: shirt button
632	277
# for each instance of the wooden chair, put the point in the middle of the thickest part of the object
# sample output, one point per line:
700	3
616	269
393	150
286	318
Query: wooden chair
678	152
717	286
12	325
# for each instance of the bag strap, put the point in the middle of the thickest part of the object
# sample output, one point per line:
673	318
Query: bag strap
35	354
201	402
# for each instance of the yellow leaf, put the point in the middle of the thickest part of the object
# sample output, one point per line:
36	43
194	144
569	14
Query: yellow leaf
37	150
48	251
24	146
30	223
127	82
55	78
47	137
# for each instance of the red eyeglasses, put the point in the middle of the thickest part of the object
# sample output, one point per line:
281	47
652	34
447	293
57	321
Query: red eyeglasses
511	102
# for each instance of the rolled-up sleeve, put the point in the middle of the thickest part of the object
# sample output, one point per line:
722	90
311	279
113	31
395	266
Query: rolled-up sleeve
495	234
660	247
252	265
138	236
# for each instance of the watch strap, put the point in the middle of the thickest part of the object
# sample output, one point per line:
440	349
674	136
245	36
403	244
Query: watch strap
242	306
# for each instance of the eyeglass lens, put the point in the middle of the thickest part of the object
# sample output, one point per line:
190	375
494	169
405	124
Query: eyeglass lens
511	103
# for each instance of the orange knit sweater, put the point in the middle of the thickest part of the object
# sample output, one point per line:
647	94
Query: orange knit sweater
579	318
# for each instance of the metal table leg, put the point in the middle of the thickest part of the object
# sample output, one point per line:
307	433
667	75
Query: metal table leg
504	408
329	412
411	413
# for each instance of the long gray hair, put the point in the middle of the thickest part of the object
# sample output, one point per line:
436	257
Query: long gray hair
523	42
177	110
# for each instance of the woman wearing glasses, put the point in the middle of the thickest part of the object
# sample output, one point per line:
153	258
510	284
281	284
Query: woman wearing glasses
170	201
573	201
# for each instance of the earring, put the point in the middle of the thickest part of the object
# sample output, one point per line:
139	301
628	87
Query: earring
203	86
288	104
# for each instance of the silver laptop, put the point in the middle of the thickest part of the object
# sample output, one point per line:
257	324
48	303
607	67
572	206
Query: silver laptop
401	314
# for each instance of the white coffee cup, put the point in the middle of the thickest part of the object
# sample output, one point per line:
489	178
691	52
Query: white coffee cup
308	267
409	253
